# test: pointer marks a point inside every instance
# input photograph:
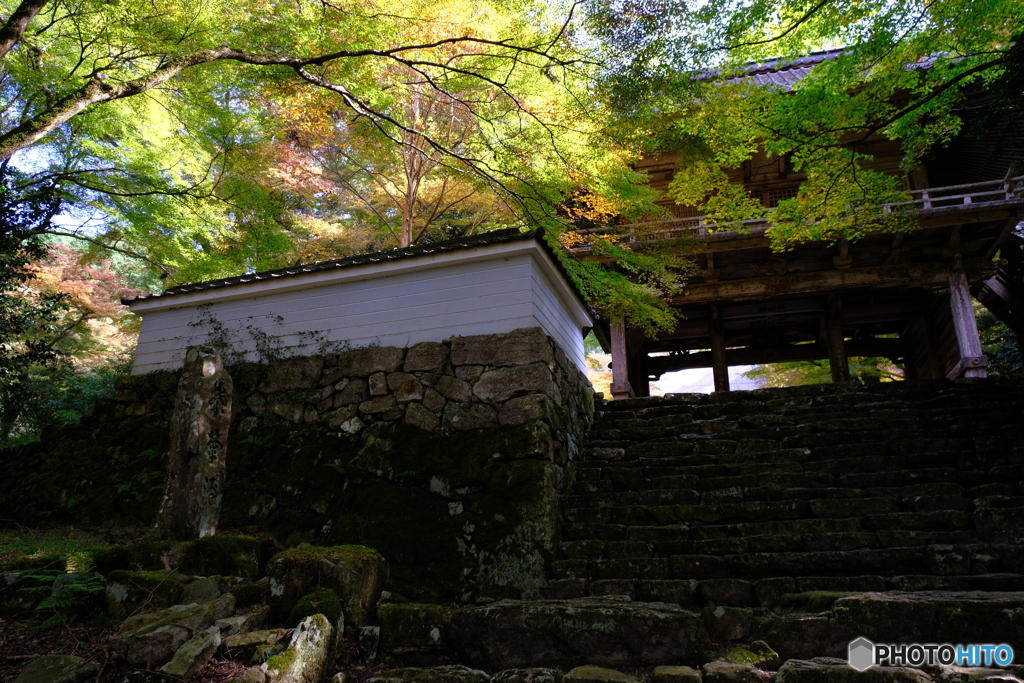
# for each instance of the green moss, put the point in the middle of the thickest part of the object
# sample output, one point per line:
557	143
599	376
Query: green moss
134	556
323	602
248	594
223	556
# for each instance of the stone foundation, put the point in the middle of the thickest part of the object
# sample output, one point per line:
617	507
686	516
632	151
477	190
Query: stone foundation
449	458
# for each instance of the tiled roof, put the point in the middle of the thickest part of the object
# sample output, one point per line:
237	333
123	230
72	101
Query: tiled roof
485	239
781	72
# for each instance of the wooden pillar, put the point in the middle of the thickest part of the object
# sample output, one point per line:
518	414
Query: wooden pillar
621	387
837	362
719	359
972	361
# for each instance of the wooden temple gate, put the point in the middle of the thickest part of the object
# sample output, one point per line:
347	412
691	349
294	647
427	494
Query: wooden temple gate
904	296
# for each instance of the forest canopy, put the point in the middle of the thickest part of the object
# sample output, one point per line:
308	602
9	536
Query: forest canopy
184	141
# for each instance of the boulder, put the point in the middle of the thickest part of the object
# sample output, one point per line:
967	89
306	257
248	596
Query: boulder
356	391
466	416
454	389
418	416
129	592
496	386
58	669
306	659
833	670
519	347
727	623
600	630
256	647
255	618
297	372
405	387
597	674
191	656
525	408
439	674
727	672
370	359
152	639
222	556
356	574
410	627
426	357
675	674
201	590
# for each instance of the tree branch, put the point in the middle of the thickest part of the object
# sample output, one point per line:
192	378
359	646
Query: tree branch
14	28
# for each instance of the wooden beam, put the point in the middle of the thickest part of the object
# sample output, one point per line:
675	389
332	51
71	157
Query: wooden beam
838	364
971	362
907	275
620	365
893	349
719	362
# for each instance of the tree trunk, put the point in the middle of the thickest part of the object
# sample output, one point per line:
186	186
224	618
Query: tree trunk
199	439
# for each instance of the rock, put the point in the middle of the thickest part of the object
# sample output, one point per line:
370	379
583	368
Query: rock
426	357
433	401
496	386
128	592
153	640
306	659
356	391
603	631
191	656
370	359
343	420
466	416
931	616
58	669
727	623
256	647
597	674
469	373
254	674
958	674
418	416
802	636
296	372
758	654
324	601
379	405
412	627
727	672
454	389
519	347
254	619
202	590
525	408
439	674
288	410
770	591
378	384
405	387
675	674
833	670
356	574
535	675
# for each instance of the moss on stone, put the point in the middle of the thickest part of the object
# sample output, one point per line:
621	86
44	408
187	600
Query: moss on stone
222	555
324	601
250	593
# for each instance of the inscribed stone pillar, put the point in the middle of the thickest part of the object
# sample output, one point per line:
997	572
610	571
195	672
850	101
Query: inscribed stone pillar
199	439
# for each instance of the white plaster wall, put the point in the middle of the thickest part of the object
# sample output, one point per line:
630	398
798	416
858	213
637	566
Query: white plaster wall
454	297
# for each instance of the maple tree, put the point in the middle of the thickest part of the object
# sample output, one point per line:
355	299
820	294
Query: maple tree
898	70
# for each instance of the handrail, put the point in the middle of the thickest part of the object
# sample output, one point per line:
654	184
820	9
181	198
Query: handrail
923	200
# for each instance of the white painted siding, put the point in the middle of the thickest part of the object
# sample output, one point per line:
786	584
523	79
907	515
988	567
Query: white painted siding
512	289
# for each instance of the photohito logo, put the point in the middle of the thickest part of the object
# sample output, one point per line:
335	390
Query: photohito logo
863	654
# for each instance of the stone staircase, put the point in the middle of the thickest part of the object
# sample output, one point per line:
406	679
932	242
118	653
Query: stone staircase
741	498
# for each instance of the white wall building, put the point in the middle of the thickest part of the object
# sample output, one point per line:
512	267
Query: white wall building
497	282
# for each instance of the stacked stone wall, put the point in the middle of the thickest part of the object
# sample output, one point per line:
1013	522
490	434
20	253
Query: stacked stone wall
450	458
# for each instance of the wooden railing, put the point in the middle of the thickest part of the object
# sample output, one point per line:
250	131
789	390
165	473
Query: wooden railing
921	202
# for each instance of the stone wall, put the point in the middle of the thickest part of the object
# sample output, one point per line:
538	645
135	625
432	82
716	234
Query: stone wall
461	384
450	458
